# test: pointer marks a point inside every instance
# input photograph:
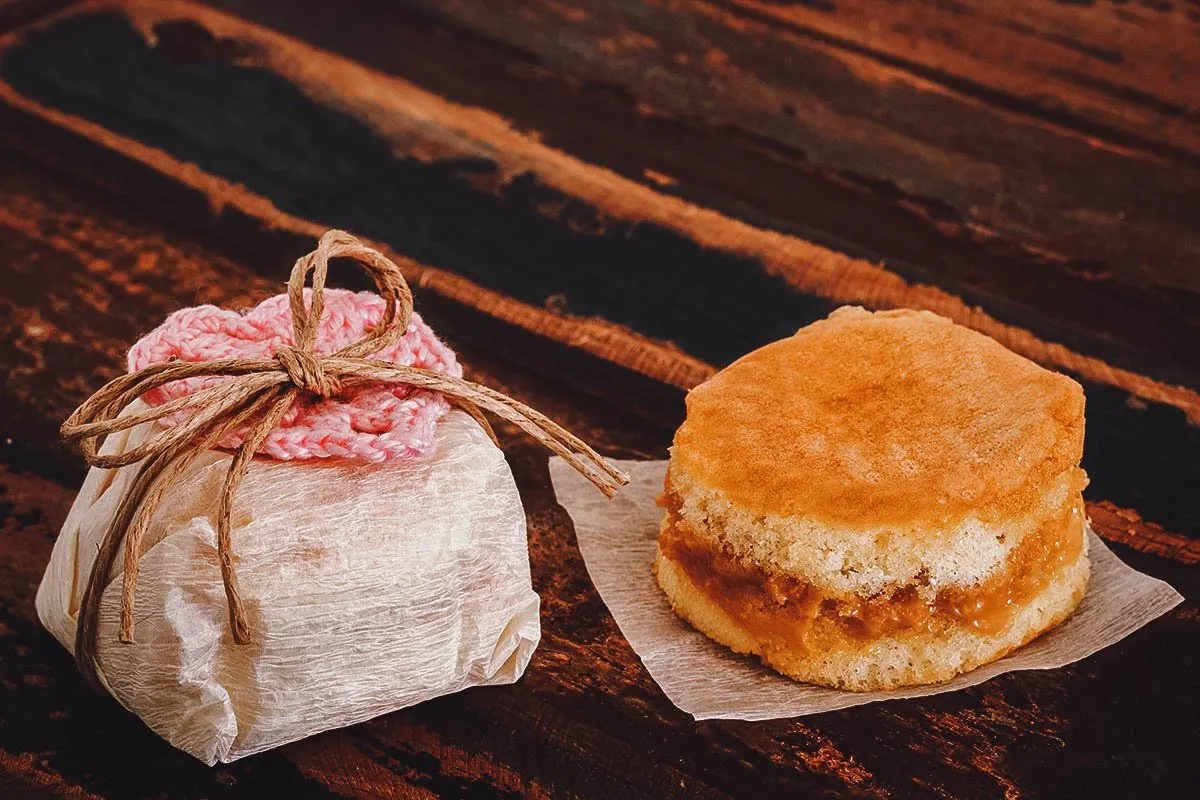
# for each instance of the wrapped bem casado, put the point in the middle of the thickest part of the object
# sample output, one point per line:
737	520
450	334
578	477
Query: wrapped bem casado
296	519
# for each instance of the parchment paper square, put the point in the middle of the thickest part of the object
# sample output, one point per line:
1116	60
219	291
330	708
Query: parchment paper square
618	537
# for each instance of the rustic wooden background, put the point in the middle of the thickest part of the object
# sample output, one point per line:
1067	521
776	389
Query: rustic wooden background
600	203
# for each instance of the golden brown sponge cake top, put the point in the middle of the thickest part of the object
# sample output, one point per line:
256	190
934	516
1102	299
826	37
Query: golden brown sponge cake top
894	418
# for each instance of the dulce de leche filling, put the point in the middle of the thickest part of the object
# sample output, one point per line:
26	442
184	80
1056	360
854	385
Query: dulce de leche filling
782	609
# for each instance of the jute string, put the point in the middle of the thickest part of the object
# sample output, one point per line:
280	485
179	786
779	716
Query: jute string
258	393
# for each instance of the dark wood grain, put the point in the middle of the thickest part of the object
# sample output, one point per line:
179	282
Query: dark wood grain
14	13
1031	121
764	179
1092	316
596	223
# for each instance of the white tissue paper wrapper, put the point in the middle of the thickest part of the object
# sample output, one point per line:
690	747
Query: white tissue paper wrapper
618	540
368	588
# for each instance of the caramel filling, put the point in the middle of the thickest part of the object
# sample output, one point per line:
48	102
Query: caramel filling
781	609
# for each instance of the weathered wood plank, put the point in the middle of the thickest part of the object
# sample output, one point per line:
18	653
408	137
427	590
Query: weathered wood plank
988	144
14	13
1113	73
748	175
457	156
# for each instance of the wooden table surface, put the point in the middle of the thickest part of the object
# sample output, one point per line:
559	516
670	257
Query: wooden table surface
600	203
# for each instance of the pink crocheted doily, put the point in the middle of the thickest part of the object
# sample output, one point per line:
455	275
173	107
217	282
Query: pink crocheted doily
371	423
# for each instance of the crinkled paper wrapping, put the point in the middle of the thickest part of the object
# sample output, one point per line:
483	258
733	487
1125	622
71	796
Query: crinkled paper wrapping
618	539
368	588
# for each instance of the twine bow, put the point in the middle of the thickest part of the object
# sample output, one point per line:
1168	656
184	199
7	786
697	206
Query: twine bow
259	393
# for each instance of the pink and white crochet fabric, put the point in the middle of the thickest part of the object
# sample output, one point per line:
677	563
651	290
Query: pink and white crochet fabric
371	423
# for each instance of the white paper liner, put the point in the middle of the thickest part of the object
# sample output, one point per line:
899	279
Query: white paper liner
368	588
708	681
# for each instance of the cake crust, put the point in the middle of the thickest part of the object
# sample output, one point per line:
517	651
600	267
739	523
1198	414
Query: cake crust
895	419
